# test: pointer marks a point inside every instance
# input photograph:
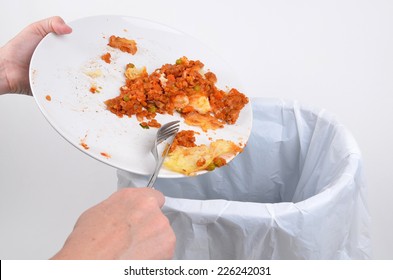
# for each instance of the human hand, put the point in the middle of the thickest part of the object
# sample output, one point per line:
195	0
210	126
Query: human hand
15	56
127	225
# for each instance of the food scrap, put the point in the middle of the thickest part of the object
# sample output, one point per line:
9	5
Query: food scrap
48	98
85	146
94	73
188	158
151	123
83	143
95	89
185	138
105	155
123	44
106	57
180	87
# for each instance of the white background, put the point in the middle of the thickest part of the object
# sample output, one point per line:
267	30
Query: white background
336	55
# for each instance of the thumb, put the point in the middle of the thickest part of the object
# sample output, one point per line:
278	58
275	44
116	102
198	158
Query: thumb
51	25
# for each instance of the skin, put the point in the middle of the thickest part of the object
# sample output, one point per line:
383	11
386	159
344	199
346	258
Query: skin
127	225
15	56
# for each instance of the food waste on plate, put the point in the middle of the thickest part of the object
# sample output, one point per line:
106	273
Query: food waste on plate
182	88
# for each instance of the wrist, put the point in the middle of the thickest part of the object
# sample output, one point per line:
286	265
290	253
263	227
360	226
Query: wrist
4	83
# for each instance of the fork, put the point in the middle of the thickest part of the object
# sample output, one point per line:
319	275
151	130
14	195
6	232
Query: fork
167	131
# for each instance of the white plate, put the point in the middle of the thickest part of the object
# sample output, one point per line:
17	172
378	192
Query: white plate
58	69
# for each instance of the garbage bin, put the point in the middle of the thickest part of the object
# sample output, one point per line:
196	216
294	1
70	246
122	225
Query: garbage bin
295	192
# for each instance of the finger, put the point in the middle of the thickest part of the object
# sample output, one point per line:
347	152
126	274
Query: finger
152	194
59	26
52	25
158	196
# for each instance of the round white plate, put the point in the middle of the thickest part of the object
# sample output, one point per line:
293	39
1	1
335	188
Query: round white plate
62	68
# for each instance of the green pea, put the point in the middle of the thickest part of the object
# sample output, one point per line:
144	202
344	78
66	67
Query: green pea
211	167
151	109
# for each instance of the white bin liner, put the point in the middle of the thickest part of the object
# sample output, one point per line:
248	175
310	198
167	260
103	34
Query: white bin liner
296	192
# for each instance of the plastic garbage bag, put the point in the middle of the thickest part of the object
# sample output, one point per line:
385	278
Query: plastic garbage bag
295	192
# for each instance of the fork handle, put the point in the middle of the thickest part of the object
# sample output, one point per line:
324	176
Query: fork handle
153	177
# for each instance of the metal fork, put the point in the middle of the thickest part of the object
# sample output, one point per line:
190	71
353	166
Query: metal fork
167	131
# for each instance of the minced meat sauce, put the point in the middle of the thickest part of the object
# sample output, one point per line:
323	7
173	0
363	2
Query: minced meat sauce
181	87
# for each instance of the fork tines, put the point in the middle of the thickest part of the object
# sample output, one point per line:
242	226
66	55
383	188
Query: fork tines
167	130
